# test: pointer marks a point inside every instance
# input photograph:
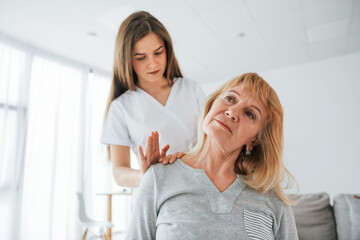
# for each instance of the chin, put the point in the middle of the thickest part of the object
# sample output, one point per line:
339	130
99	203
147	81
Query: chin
215	134
153	79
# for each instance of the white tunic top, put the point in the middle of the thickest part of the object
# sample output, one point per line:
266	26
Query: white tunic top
133	115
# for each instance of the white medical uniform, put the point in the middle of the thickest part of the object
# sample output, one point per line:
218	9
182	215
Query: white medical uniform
133	115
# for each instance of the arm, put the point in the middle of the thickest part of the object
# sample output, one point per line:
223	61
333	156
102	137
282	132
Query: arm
123	174
287	228
116	134
143	221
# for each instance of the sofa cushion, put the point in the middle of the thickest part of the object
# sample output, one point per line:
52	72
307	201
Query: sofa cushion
314	216
347	216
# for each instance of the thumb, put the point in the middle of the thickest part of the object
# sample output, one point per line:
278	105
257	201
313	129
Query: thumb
141	154
143	163
164	150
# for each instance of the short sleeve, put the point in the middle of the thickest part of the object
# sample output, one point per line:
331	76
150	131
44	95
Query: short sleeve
199	95
287	227
143	221
115	130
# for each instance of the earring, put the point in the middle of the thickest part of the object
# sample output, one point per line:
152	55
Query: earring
248	152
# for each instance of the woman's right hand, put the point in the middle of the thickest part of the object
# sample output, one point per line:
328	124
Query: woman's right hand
152	152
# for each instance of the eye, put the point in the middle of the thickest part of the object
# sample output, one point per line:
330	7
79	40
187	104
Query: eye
158	53
250	115
230	99
139	59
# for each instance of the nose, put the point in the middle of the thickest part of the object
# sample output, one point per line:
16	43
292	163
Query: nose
231	114
152	63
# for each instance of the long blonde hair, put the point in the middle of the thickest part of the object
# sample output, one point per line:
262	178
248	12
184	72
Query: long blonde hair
132	29
263	169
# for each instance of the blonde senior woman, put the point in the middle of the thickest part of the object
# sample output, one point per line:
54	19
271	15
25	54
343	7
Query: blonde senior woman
229	185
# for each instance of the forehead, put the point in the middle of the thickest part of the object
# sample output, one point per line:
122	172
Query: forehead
242	91
148	43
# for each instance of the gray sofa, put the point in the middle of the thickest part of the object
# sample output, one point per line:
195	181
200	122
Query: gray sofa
317	219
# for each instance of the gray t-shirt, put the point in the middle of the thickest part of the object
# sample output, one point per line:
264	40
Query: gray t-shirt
179	202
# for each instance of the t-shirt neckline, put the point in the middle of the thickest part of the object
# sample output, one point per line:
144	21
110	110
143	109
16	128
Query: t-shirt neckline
169	99
220	202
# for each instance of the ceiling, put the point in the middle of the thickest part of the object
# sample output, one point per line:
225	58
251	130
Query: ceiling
213	40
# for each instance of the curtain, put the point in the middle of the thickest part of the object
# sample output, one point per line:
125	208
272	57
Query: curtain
95	154
96	165
13	112
51	117
48	209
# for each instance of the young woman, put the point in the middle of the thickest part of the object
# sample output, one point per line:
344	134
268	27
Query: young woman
148	93
230	185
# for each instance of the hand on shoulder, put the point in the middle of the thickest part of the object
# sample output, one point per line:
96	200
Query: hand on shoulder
153	155
171	158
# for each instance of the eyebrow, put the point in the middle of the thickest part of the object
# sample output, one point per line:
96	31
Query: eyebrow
252	105
256	109
136	54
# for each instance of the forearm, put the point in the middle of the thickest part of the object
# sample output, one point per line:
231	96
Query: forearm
127	177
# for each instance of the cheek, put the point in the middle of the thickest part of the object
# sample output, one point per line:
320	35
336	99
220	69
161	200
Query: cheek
207	120
163	60
136	67
210	128
205	125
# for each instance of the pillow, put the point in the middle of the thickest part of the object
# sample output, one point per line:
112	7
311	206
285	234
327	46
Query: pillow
314	216
347	215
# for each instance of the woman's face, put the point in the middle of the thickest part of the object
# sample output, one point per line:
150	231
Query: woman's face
149	58
235	119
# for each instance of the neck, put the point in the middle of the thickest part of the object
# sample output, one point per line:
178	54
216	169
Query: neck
153	88
216	161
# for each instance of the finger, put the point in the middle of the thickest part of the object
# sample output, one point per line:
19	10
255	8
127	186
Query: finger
148	144
152	147
143	163
166	160
148	149
164	150
156	148
141	153
154	151
180	155
173	158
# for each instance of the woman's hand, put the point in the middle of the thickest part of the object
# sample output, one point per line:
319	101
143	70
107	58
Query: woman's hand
152	152
171	158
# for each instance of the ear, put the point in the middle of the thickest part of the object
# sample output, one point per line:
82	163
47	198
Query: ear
248	147
255	142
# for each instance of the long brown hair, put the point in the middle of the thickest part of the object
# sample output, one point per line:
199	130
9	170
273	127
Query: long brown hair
263	170
133	28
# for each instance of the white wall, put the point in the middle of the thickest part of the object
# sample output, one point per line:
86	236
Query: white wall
321	102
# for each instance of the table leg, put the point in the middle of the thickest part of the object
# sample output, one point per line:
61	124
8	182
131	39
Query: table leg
109	216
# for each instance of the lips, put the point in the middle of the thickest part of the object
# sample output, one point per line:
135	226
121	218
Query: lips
154	72
223	125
